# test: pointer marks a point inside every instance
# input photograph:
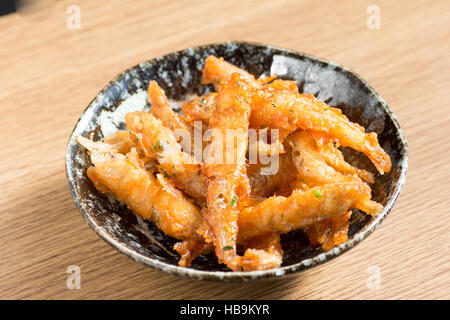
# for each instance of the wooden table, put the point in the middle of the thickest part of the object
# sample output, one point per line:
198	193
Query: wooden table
49	73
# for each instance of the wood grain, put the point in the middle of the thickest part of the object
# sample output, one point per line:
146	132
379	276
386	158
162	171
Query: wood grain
49	74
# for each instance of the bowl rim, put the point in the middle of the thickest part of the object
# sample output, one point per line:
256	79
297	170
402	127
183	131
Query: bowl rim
238	275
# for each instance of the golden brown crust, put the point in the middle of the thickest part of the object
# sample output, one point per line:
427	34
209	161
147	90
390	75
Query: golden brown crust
227	180
224	199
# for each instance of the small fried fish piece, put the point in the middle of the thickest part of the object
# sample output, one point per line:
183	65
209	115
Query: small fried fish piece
281	182
121	141
313	170
278	106
281	214
334	158
157	141
216	70
288	111
127	179
287	85
96	180
191	249
227	179
261	185
162	110
311	166
161	203
329	232
267	251
263	253
199	108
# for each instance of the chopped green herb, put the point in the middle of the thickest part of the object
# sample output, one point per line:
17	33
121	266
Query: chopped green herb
233	201
161	145
165	173
317	194
239	83
202	102
227	248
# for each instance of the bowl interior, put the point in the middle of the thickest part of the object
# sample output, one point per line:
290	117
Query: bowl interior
179	74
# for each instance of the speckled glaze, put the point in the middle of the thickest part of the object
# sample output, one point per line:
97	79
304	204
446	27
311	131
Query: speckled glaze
179	74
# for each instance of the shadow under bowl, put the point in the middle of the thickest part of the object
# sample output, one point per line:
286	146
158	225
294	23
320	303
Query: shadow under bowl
179	74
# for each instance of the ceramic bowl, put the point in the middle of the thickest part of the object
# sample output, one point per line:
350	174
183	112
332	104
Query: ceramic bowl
179	74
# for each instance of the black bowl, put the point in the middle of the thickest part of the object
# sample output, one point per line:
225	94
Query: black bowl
179	74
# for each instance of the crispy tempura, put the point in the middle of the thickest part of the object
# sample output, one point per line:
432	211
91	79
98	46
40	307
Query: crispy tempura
251	190
199	109
157	141
227	180
162	110
314	171
284	110
282	182
334	158
279	106
127	179
217	69
263	253
280	214
121	141
154	199
329	232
